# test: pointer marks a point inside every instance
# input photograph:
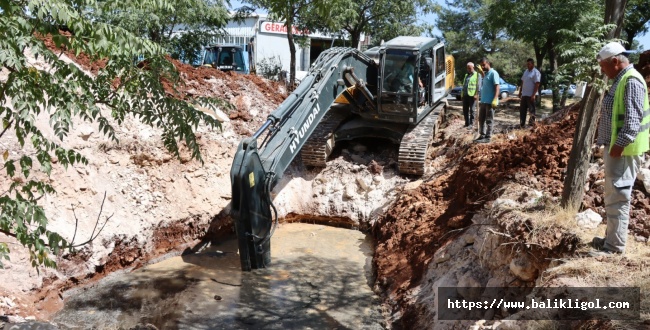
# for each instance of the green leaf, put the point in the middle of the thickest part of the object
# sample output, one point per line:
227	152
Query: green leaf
26	165
11	168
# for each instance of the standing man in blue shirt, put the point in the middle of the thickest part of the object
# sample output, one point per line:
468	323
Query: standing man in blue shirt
489	101
529	86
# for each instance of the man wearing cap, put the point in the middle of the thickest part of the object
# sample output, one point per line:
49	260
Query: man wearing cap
623	130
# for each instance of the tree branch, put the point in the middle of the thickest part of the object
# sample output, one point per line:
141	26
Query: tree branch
92	235
6	128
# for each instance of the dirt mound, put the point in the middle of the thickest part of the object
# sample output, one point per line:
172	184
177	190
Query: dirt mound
193	80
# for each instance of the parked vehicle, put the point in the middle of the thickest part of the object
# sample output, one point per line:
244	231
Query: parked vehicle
572	91
456	91
506	88
227	58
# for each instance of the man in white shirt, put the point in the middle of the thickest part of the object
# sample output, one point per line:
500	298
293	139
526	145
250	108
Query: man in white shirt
529	87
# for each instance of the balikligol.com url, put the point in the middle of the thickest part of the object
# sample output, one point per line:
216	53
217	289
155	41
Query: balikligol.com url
537	304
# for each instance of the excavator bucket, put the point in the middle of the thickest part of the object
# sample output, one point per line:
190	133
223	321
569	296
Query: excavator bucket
251	208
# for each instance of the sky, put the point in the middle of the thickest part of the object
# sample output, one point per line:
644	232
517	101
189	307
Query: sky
644	40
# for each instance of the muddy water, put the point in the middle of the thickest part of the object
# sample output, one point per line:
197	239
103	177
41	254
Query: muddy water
320	279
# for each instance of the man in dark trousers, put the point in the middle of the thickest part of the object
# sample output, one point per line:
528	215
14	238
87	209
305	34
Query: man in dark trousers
623	130
529	86
489	101
470	93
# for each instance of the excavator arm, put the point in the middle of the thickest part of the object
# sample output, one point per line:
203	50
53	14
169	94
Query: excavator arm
257	167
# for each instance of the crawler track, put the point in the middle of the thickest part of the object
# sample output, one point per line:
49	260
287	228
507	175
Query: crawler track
321	143
416	141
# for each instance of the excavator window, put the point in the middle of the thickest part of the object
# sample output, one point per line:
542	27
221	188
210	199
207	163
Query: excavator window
225	58
399	72
210	57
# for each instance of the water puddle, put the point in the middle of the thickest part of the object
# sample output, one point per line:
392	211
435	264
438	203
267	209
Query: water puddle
319	279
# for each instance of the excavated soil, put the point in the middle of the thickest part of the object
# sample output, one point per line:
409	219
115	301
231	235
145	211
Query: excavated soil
429	217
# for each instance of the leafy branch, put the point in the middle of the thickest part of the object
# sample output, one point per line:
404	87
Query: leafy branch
64	94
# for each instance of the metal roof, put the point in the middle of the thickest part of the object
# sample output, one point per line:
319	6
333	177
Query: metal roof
409	42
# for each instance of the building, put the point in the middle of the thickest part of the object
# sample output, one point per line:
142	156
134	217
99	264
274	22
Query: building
269	43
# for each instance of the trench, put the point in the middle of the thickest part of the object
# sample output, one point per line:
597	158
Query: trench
320	277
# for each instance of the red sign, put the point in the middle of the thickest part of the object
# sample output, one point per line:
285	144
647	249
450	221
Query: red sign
280	28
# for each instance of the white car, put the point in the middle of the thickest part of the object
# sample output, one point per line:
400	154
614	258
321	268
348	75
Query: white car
572	91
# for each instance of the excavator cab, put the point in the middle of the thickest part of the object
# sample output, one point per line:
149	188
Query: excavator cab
226	58
400	82
410	78
401	77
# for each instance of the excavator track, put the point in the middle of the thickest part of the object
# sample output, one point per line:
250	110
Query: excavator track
416	141
321	143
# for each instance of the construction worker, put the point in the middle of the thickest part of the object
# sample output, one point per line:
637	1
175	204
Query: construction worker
488	101
469	94
623	130
530	81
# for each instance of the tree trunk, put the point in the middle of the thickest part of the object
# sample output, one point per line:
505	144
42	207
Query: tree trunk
540	52
552	61
583	138
614	14
576	175
292	61
355	37
630	38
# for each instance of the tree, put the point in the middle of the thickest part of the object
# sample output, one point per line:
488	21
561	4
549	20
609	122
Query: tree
395	26
636	20
468	35
298	14
65	92
382	19
182	29
573	189
538	22
510	60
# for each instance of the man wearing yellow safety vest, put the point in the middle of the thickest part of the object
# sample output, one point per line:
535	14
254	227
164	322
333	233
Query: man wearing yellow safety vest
623	130
469	94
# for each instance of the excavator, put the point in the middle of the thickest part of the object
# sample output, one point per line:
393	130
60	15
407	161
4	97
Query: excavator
396	91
